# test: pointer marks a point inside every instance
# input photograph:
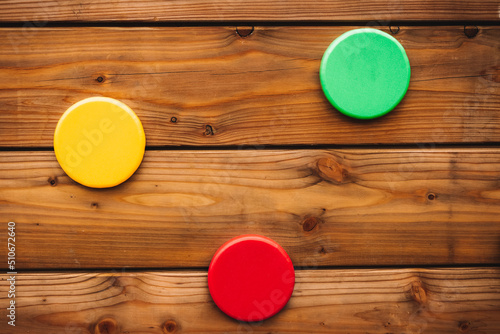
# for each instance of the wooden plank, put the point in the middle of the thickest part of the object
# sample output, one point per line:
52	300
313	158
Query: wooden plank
208	86
258	10
460	300
325	207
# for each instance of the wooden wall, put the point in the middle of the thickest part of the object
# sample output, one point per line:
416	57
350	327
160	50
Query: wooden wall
393	224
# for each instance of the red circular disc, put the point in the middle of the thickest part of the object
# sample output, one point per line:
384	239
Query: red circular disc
251	278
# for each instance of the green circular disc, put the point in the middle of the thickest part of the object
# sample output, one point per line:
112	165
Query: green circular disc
365	73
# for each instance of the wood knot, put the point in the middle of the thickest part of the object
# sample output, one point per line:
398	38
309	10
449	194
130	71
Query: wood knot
209	130
418	293
431	196
169	327
464	326
331	170
173	119
115	281
53	181
310	223
245	31
94	205
106	326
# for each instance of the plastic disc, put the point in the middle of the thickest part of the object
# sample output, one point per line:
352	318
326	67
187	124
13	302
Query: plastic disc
251	278
365	73
99	142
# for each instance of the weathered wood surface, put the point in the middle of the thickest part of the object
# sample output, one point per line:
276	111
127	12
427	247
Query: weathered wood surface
325	207
259	10
460	300
208	86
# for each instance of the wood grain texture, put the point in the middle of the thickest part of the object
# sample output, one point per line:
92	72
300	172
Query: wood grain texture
208	86
325	207
461	300
259	10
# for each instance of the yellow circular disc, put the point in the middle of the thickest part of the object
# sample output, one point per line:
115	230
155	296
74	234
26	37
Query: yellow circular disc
99	142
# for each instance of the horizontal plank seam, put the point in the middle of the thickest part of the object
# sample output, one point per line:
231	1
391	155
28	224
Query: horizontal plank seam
422	146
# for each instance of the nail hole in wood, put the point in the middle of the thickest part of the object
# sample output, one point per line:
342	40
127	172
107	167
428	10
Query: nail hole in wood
394	29
94	205
471	31
52	181
245	31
